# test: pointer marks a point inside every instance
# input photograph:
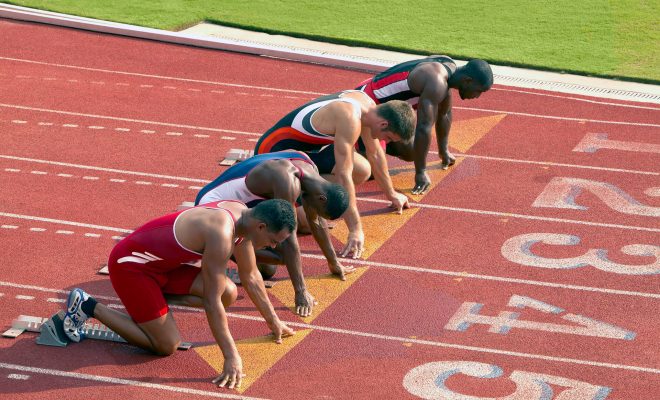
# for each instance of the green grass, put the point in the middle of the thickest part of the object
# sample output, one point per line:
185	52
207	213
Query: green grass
615	38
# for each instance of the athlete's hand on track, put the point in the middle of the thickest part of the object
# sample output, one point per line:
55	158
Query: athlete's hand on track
399	202
280	331
448	160
354	244
340	270
422	183
232	373
305	302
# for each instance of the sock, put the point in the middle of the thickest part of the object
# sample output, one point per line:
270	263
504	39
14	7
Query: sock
88	306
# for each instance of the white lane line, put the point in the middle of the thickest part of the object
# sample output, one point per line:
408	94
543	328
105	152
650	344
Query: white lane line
117	180
199	135
146	86
201	128
490	277
9	226
159	76
122	84
64	232
421	205
39	172
228	138
143	183
555	164
315	94
72	80
65	175
574	98
92	235
174	133
124	382
381	336
19	377
91	178
120	171
45	123
24	297
58	221
70	125
12	170
514	215
98	82
96	127
172	185
18	121
122	129
455	346
395	266
55	300
599	121
49	79
38	229
147	131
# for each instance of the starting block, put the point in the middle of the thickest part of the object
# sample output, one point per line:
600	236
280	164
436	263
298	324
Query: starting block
52	331
236	155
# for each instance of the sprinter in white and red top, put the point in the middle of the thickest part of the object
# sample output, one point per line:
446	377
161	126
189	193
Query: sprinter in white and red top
425	84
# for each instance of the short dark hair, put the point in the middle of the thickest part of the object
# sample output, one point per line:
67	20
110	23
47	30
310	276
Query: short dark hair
480	71
400	117
277	214
337	200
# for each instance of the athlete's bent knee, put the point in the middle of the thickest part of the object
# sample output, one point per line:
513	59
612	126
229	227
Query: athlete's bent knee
230	294
166	347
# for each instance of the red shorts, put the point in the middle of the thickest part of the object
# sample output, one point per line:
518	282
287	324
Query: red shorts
141	290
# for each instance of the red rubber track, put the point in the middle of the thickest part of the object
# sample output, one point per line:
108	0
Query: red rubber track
101	133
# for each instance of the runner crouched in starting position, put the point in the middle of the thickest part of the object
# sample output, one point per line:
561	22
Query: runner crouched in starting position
153	266
291	176
328	128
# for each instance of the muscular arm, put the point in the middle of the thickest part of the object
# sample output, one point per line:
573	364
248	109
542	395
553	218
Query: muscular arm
285	189
346	134
442	127
427	111
214	263
321	234
378	161
252	281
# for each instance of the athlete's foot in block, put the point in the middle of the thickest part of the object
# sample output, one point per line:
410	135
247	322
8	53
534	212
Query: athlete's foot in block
75	317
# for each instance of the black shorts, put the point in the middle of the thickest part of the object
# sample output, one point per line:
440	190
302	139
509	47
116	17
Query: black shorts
324	158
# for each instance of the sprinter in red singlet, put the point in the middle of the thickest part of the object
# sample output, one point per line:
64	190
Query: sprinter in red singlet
158	264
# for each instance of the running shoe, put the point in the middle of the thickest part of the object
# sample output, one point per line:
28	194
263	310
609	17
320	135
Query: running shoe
232	273
75	317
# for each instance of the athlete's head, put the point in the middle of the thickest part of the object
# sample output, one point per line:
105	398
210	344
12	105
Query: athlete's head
472	79
396	122
330	200
275	221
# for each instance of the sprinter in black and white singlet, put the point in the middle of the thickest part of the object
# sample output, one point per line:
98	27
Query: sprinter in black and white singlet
327	130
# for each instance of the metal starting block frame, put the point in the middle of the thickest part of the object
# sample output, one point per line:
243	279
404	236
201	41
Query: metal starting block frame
52	332
236	155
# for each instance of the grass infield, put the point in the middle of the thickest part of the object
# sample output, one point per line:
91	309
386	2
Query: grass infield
615	38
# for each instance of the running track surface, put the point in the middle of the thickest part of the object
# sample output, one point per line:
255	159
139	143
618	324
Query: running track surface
530	270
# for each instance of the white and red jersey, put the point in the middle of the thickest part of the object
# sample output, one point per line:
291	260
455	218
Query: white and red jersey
392	84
